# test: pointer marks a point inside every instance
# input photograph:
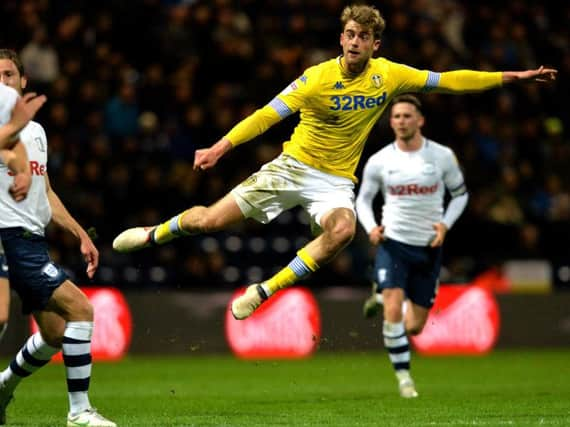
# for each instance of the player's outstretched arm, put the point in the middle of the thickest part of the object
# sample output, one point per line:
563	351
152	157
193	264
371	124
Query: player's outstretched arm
465	81
541	74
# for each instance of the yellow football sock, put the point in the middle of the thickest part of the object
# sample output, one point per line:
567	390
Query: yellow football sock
301	266
169	230
280	280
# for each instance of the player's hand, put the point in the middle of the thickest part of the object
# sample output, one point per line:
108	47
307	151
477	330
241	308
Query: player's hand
376	235
90	255
26	108
541	74
206	158
20	186
440	232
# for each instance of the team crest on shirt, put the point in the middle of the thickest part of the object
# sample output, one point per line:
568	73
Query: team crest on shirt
376	80
428	169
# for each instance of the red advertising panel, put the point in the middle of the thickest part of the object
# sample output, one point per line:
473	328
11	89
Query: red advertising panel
464	320
288	325
113	324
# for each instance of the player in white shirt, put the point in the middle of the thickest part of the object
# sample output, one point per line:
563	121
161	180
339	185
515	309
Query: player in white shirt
61	310
15	113
9	157
413	174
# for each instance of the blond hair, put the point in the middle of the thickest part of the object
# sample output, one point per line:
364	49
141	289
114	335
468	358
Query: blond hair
367	16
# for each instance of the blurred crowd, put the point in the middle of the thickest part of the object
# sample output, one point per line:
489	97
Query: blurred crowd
134	88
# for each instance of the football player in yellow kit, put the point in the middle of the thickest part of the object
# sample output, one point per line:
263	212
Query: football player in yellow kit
339	101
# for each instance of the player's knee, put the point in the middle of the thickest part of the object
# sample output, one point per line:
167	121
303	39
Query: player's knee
53	336
81	312
87	311
342	232
346	232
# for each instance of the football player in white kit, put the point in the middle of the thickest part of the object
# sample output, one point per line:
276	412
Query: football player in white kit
413	174
13	156
62	311
15	113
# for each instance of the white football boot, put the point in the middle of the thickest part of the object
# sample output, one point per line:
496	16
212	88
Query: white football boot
244	305
89	418
406	385
133	239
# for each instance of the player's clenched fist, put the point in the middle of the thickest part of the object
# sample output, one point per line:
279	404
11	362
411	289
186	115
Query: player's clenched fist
206	158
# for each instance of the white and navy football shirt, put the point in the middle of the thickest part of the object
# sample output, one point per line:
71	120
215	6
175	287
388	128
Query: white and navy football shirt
413	185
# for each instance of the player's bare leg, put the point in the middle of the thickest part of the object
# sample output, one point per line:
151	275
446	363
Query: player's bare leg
4	305
338	227
414	322
5	395
66	323
396	340
415	318
198	219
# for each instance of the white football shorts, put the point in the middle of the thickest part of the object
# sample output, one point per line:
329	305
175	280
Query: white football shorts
285	183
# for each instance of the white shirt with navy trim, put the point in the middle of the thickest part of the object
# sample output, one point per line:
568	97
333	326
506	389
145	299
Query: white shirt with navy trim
413	185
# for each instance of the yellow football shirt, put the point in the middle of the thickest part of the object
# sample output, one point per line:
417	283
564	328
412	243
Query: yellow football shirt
338	110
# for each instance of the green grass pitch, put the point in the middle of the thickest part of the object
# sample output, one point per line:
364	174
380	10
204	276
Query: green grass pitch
506	388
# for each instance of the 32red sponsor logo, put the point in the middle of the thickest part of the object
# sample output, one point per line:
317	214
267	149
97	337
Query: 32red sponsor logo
412	189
